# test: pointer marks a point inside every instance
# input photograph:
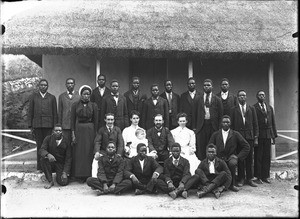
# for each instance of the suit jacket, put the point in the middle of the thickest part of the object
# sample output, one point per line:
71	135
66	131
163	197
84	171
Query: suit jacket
215	110
64	108
104	136
110	171
249	130
119	110
175	107
130	105
97	98
145	175
189	106
150	110
220	165
266	130
62	152
234	140
160	143
181	173
227	104
42	112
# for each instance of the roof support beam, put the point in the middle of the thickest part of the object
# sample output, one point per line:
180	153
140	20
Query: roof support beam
97	70
271	101
190	72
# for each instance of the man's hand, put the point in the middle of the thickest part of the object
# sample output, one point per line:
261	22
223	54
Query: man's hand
171	186
155	176
105	188
135	180
181	186
112	188
73	138
51	158
97	156
64	177
234	159
273	140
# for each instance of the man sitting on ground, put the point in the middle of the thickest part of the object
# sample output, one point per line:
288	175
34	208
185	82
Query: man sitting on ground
56	156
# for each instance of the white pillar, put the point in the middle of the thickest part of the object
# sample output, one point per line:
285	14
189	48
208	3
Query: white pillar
97	70
190	69
271	101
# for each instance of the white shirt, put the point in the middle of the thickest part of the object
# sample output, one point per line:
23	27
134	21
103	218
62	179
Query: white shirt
192	94
43	95
207	114
264	105
58	142
72	93
101	90
211	166
241	108
225	135
142	164
175	159
110	128
224	95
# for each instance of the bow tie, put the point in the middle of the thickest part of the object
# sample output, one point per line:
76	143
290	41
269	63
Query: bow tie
115	95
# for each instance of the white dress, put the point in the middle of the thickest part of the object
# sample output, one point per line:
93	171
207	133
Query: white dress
187	140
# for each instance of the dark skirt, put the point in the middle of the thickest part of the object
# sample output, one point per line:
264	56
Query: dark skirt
83	151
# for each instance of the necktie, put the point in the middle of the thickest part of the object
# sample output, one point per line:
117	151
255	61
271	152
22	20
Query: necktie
243	111
264	112
176	163
109	129
207	100
211	167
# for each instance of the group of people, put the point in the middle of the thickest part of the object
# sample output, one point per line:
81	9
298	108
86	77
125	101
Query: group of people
167	142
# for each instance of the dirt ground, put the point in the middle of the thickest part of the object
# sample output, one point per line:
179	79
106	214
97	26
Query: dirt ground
30	199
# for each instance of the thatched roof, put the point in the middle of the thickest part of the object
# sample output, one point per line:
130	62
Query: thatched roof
209	29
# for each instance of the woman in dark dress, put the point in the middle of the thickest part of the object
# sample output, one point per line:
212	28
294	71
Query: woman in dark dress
84	124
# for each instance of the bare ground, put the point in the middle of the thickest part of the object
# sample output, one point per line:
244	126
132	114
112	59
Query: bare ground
30	199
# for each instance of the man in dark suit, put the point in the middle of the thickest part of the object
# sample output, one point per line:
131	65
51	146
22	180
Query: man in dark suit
209	114
267	135
42	115
65	101
212	173
227	142
98	94
176	173
134	98
173	103
110	172
228	99
105	134
116	103
159	139
56	156
154	105
141	173
244	120
188	103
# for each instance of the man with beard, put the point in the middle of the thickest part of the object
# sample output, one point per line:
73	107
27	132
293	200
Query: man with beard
160	139
55	155
110	172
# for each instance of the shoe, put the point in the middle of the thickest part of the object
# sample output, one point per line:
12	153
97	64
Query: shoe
234	188
266	181
184	194
99	192
217	194
296	187
258	181
139	192
173	194
241	183
201	193
251	183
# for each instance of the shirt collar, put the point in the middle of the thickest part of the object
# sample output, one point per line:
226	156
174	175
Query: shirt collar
43	95
223	131
176	159
159	130
213	161
108	127
224	92
194	92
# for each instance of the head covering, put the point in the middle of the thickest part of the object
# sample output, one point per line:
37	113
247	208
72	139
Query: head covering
139	146
85	87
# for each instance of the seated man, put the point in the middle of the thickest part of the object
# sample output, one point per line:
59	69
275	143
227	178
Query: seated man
212	174
227	142
176	173
56	156
160	139
141	173
110	171
107	133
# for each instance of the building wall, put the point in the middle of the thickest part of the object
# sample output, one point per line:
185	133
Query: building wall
251	75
